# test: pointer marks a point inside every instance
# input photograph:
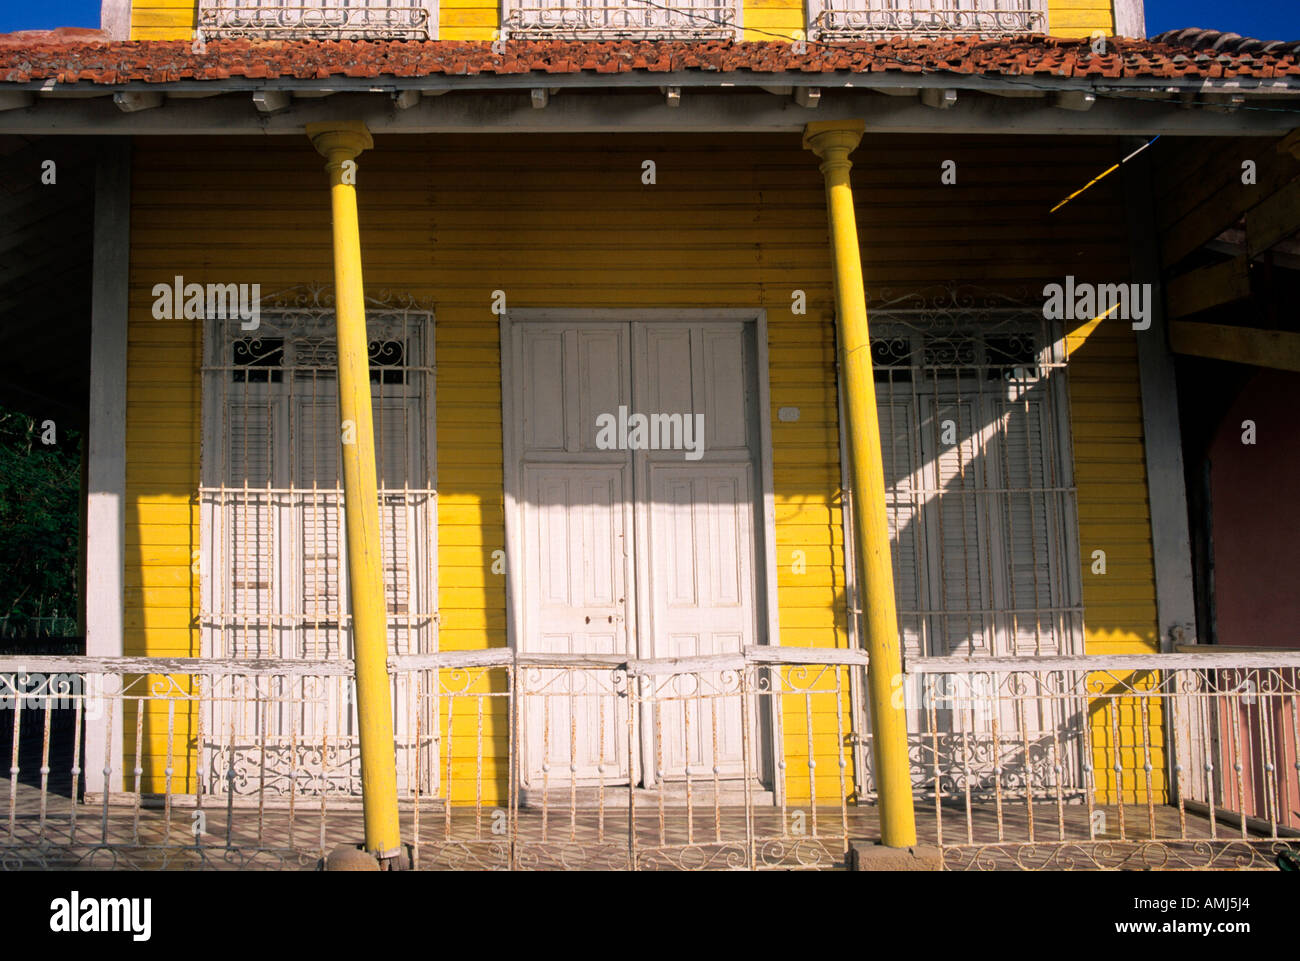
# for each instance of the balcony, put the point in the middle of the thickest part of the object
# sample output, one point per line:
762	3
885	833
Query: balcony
622	19
874	19
318	19
508	761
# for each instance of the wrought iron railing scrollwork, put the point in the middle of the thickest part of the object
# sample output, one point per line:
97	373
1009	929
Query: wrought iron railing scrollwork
622	19
317	21
736	761
884	20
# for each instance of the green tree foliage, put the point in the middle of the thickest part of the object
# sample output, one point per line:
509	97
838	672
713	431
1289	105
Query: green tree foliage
40	486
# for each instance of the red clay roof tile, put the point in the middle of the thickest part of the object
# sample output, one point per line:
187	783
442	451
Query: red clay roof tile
70	55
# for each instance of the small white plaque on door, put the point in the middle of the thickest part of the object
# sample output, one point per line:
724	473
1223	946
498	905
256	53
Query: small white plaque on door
788	415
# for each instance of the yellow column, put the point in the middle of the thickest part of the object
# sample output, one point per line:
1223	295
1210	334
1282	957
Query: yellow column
340	144
833	141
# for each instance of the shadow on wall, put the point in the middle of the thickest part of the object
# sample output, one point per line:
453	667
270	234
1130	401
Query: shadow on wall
577	228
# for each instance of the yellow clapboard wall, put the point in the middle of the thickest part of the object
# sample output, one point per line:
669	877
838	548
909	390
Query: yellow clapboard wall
1079	18
477	19
163	19
732	221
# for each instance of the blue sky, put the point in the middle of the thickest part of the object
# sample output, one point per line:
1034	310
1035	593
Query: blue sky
1268	19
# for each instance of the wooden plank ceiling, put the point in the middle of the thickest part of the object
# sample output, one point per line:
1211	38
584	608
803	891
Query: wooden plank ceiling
1227	213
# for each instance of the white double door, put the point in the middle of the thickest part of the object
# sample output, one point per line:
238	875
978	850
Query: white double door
632	551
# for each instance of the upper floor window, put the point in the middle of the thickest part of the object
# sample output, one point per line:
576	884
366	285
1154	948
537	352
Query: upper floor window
613	19
851	19
319	19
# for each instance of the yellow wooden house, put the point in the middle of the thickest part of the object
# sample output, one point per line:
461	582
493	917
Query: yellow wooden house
693	330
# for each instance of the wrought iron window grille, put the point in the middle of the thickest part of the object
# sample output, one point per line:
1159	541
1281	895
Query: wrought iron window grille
622	19
318	19
271	493
855	19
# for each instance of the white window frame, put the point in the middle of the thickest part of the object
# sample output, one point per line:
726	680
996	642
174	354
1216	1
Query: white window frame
1065	584
855	19
423	589
313	748
958	314
319	19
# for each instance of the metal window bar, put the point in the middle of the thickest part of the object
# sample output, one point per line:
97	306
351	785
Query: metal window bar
614	19
274	581
980	498
317	19
854	19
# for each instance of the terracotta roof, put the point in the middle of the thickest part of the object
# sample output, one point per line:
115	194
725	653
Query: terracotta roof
1219	41
61	35
68	57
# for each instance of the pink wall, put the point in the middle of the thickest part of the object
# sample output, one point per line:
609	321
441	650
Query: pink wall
1256	494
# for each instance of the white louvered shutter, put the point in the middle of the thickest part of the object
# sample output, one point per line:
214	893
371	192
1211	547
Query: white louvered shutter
250	528
322	519
392	419
1026	537
958	567
322	576
898	441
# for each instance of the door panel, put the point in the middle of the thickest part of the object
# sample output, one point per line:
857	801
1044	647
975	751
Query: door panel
702	601
574	721
728	408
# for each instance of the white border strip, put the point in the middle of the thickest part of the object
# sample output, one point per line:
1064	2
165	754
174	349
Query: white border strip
106	473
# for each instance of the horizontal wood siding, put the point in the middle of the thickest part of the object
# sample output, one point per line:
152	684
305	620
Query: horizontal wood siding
1079	18
731	222
773	20
163	19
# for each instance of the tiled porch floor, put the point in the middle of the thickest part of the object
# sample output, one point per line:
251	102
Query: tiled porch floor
150	838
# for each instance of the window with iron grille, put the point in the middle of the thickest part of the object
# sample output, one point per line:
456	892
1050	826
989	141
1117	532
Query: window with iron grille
272	486
274	559
612	19
848	19
319	19
978	475
980	499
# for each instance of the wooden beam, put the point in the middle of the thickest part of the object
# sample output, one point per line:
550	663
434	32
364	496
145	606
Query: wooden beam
1212	197
272	101
1275	219
1290	144
16	99
1278	349
132	101
1208	287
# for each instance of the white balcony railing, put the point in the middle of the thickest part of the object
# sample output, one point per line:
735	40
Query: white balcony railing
742	760
319	19
618	19
856	19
